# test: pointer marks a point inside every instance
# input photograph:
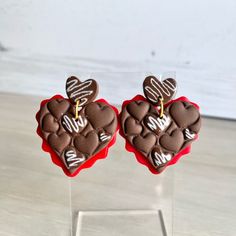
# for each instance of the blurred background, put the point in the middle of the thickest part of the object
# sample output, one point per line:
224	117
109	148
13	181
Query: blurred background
117	43
46	41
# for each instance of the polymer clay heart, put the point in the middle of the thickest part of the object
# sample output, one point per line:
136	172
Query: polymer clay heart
84	92
158	141
159	136
154	88
74	142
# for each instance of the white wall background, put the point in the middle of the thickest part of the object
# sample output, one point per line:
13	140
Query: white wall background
44	41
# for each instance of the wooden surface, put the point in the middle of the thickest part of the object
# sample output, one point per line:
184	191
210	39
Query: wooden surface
34	194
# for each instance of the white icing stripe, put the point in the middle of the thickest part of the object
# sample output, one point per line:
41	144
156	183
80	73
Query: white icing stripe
72	157
159	89
160	123
162	88
72	125
153	93
106	138
81	122
170	85
162	158
79	91
103	137
188	134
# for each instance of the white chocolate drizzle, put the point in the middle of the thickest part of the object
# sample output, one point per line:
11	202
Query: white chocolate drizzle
161	158
159	89
72	159
74	125
104	137
158	123
188	134
79	91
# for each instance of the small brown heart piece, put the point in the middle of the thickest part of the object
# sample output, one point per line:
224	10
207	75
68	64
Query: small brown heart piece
59	142
172	142
84	92
132	127
87	144
156	123
138	109
73	158
58	107
96	113
73	125
146	143
159	158
50	124
154	89
184	114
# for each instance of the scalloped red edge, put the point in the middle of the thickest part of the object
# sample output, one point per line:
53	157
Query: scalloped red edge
140	157
56	159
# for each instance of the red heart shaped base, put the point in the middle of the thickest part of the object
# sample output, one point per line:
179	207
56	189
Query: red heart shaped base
139	156
56	159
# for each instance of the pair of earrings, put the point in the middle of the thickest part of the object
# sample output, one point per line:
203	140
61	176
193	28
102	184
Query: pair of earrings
78	131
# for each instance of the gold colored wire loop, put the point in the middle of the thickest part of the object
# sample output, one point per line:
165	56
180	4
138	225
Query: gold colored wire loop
162	106
77	110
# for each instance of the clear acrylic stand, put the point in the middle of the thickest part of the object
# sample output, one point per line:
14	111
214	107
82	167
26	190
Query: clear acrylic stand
119	196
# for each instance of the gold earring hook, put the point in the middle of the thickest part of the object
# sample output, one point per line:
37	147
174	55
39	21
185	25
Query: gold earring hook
77	110
162	106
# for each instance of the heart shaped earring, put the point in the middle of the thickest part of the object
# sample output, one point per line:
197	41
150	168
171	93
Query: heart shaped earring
78	131
157	129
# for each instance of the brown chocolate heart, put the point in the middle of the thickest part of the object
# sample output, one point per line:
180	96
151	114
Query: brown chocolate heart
73	159
58	107
84	92
138	109
59	142
50	123
86	144
161	138
73	125
96	114
145	144
154	89
172	142
196	126
77	140
132	127
184	114
159	159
